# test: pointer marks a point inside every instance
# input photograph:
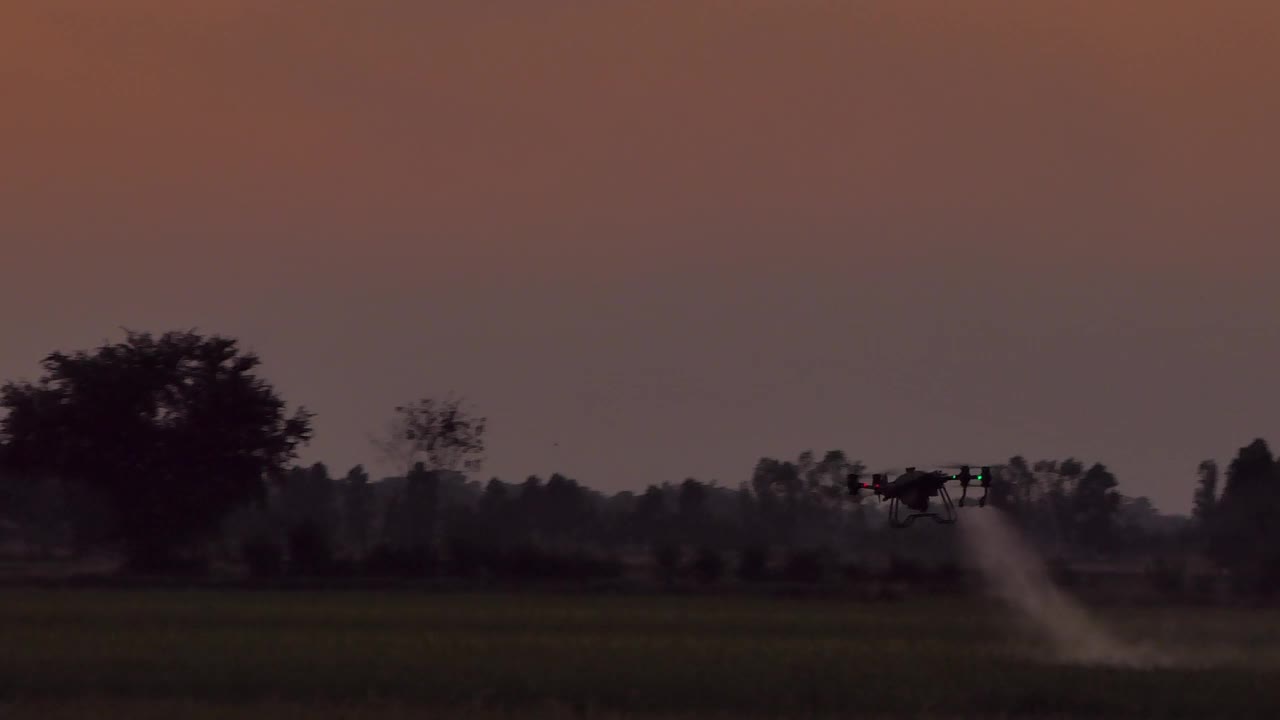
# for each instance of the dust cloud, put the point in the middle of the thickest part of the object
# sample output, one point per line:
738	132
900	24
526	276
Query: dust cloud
1017	575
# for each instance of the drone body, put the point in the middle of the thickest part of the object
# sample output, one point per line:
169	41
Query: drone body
914	488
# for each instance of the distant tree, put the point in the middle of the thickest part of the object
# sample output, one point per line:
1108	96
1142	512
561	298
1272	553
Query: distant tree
708	565
494	511
1244	535
310	548
693	512
439	433
616	512
1071	469
308	495
1136	525
1206	495
753	563
37	512
567	509
174	431
357	508
1013	488
805	565
1066	510
1094	502
413	517
1050	514
761	486
650	517
666	558
750	525
778	490
436	439
1138	512
529	508
826	479
262	555
825	486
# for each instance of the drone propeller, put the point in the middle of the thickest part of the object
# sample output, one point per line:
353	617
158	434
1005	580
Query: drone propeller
957	466
888	473
968	473
873	481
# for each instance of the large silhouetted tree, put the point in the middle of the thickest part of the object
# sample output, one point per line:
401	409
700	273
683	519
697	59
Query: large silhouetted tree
174	431
1244	535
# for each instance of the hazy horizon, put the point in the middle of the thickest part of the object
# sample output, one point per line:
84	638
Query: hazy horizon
660	240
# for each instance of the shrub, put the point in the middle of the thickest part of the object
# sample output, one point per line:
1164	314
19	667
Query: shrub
386	560
753	563
903	569
310	552
853	572
262	555
666	559
805	566
708	566
468	558
527	561
1165	576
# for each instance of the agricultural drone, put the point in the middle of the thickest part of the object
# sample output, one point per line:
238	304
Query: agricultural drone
913	488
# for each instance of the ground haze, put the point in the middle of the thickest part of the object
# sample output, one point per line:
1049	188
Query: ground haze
1016	575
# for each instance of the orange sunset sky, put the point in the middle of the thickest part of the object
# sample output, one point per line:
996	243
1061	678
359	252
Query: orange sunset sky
653	240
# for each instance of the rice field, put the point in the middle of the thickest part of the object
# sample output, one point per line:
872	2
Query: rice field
79	653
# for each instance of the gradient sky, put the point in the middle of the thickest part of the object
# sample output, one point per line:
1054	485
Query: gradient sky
654	240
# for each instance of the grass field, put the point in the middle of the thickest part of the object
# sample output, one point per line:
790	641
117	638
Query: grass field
356	654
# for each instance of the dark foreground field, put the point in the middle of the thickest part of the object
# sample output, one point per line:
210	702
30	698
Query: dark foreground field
283	655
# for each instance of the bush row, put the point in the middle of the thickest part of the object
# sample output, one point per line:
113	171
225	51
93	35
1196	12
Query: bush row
305	553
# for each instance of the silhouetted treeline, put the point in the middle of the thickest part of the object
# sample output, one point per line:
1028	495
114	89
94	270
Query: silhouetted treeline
1239	527
792	519
173	453
1075	509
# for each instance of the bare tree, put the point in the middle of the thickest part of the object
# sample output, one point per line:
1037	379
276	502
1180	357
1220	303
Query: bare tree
442	434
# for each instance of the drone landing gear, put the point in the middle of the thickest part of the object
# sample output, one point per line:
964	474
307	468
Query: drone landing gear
964	490
946	517
965	477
